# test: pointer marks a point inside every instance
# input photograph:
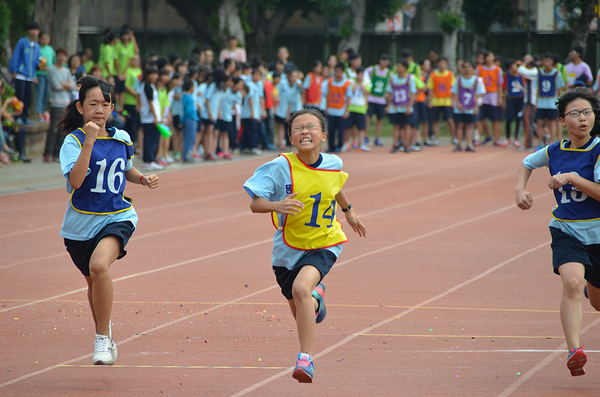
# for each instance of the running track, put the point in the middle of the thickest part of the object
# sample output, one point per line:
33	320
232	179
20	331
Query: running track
451	293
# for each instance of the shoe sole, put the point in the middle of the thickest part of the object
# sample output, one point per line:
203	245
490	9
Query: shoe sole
576	363
301	376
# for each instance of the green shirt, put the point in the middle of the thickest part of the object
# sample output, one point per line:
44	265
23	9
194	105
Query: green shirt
123	53
48	53
358	101
163	99
107	55
132	76
88	66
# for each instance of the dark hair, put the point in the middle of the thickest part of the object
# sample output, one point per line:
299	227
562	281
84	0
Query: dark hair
469	62
162	62
162	72
385	57
228	62
353	56
340	65
312	111
62	51
443	59
71	118
585	94
508	63
218	77
33	25
578	49
187	84
276	75
125	29
403	62
360	69
173	57
406	53
150	70
316	63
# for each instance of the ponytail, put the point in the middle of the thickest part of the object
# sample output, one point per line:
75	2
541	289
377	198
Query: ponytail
71	119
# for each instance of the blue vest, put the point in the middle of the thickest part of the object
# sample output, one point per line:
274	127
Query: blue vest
573	204
511	86
102	190
547	85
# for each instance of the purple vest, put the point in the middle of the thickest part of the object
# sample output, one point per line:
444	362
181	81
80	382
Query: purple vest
466	96
400	95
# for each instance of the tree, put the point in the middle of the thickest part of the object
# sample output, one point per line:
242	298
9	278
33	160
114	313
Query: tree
14	17
450	21
580	15
482	14
65	32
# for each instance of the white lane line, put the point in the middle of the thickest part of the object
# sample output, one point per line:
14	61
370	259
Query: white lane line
388	320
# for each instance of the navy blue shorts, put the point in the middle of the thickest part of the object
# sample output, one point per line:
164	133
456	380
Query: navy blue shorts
279	120
223	126
376	109
464	118
356	119
81	251
322	259
489	112
514	107
420	114
546	114
566	249
445	111
119	85
207	122
177	122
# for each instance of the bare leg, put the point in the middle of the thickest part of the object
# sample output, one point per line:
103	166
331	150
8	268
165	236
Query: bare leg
106	252
570	304
304	306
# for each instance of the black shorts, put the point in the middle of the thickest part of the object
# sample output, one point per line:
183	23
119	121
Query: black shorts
445	111
177	122
466	118
546	114
322	259
566	249
81	251
280	120
119	85
490	112
376	109
356	119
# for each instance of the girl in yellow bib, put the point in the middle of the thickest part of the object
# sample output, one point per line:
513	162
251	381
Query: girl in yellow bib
302	192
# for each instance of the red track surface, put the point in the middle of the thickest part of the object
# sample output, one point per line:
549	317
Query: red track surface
451	294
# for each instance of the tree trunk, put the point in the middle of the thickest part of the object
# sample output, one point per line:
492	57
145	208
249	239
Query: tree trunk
43	14
230	22
451	39
65	33
581	30
356	13
264	30
449	48
196	17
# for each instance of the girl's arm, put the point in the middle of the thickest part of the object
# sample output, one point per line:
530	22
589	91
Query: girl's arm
523	197
287	206
135	176
588	187
80	169
351	216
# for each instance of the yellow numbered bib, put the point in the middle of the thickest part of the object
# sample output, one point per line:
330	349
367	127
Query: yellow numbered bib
316	226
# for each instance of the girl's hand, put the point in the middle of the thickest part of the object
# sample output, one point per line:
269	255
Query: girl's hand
150	180
558	180
355	223
289	205
91	130
524	200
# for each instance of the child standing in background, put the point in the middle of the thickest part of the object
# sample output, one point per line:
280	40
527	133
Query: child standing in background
466	93
337	90
42	89
402	92
514	92
311	89
357	119
440	83
189	119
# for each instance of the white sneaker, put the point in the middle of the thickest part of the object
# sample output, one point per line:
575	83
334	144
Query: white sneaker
364	148
344	148
416	147
105	349
155	166
256	151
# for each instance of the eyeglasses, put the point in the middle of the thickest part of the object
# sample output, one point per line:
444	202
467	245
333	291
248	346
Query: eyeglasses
310	127
576	113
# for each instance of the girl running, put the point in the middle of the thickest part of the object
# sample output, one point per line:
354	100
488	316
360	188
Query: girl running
96	160
575	180
302	192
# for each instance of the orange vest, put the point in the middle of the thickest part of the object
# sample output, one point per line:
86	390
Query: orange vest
313	93
442	85
422	96
336	95
490	78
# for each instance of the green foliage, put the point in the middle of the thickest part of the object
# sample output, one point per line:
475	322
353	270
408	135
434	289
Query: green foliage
346	29
5	21
481	14
21	12
449	21
576	15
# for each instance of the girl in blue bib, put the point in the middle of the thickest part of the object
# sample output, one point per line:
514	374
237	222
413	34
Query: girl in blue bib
302	191
575	226
96	160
